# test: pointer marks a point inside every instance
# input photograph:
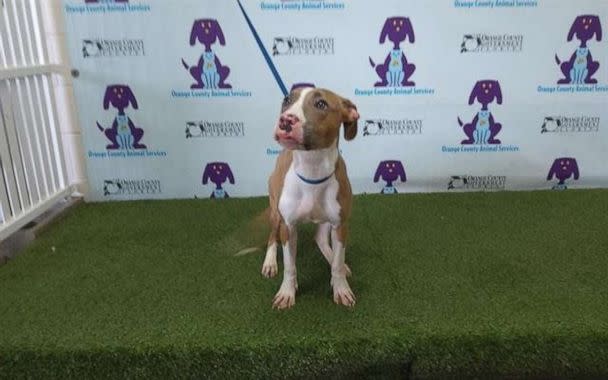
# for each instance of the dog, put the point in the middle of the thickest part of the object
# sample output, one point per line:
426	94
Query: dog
563	168
581	67
483	129
395	71
310	184
123	134
218	172
209	72
390	171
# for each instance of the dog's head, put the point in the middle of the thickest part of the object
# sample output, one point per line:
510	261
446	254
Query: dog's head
206	31
485	91
119	96
218	173
397	29
585	27
390	171
311	118
563	168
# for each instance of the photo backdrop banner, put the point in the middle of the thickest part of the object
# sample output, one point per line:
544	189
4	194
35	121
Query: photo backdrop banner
178	99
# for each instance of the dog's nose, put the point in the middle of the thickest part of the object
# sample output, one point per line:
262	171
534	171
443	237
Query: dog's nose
286	122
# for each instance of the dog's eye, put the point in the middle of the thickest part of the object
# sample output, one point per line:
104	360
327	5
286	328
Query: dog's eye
490	85
395	23
401	22
321	104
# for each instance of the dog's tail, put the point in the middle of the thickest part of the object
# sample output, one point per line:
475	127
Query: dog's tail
256	234
100	127
371	62
460	121
185	65
557	60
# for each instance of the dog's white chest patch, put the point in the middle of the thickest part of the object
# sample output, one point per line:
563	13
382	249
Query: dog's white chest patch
303	202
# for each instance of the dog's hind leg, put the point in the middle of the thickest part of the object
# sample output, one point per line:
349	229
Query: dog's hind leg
322	239
591	69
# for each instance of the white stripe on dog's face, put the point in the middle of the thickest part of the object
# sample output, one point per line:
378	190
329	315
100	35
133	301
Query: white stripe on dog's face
297	108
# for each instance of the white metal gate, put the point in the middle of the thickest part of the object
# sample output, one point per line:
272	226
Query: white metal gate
33	175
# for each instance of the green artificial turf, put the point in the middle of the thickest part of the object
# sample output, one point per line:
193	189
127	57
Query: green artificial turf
482	285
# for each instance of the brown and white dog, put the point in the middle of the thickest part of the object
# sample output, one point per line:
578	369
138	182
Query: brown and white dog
310	184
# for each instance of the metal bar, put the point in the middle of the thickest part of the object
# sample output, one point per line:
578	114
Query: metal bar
6	163
26	71
23	143
49	94
35	125
13	144
26	127
38	28
46	133
12	225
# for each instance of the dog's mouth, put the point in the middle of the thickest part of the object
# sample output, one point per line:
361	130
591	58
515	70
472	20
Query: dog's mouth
289	136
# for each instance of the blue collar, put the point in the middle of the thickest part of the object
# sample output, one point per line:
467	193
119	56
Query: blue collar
315	181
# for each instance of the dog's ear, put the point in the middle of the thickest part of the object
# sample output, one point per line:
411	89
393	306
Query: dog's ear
497	91
207	172
597	27
218	32
379	171
409	30
350	116
554	169
131	97
196	28
107	97
474	93
229	173
401	171
385	28
574	166
575	25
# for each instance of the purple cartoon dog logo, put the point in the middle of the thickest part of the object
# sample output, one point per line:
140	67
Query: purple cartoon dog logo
562	169
208	72
218	173
123	134
581	67
390	171
483	129
395	71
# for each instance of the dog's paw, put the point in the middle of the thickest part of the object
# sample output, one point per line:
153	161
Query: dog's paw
343	295
270	270
285	297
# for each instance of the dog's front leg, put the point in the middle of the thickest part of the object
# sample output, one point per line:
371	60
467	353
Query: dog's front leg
322	239
342	293
286	296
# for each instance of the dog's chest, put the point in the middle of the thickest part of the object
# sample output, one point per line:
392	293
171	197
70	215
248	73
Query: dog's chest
303	202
